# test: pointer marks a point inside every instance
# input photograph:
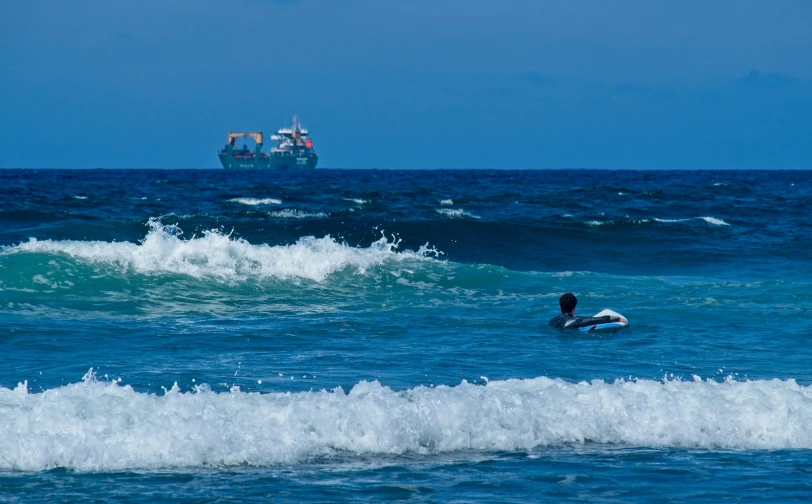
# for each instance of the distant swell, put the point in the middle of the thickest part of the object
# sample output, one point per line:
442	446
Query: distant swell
219	256
93	426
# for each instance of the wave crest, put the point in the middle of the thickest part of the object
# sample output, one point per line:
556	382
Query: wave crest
219	256
710	220
256	201
456	213
105	426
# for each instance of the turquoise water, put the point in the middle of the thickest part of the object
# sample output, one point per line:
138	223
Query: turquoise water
367	335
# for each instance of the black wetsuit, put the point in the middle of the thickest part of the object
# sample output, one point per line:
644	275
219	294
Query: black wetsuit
567	321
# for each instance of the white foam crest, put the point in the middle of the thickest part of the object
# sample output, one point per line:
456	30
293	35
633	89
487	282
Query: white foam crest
256	201
447	202
709	220
456	213
81	197
595	223
219	256
714	221
292	213
93	426
357	201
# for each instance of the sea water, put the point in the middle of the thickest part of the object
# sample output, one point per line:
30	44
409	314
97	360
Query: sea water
213	336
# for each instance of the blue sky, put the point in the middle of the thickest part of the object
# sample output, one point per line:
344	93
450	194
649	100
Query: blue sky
417	84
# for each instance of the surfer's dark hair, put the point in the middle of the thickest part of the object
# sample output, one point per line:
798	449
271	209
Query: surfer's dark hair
567	302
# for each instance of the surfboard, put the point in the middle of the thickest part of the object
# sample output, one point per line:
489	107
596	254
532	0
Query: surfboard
609	326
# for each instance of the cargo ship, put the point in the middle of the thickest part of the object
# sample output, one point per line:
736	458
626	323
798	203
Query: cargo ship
294	150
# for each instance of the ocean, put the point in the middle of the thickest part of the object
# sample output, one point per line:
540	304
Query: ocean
347	335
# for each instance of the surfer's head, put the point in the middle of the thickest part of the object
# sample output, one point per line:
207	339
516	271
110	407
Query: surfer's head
568	302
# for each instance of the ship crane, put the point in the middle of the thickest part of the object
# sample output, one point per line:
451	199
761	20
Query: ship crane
256	135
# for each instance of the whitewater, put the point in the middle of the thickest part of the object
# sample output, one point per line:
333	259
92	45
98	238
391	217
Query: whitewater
216	255
98	426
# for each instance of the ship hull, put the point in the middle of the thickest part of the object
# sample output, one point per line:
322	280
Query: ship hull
284	162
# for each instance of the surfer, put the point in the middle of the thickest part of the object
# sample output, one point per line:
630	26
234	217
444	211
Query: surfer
568	320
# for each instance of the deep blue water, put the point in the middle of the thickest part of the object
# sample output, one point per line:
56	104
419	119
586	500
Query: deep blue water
212	336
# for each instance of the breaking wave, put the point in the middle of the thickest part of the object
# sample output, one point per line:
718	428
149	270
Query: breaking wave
456	213
256	201
714	221
710	220
219	256
102	426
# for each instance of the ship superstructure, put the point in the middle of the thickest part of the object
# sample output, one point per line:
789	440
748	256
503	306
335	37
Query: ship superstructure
294	150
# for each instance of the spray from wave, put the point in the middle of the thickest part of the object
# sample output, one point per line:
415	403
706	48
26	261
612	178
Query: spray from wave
97	426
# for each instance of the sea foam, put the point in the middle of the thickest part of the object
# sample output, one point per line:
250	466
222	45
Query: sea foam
292	213
103	426
219	256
